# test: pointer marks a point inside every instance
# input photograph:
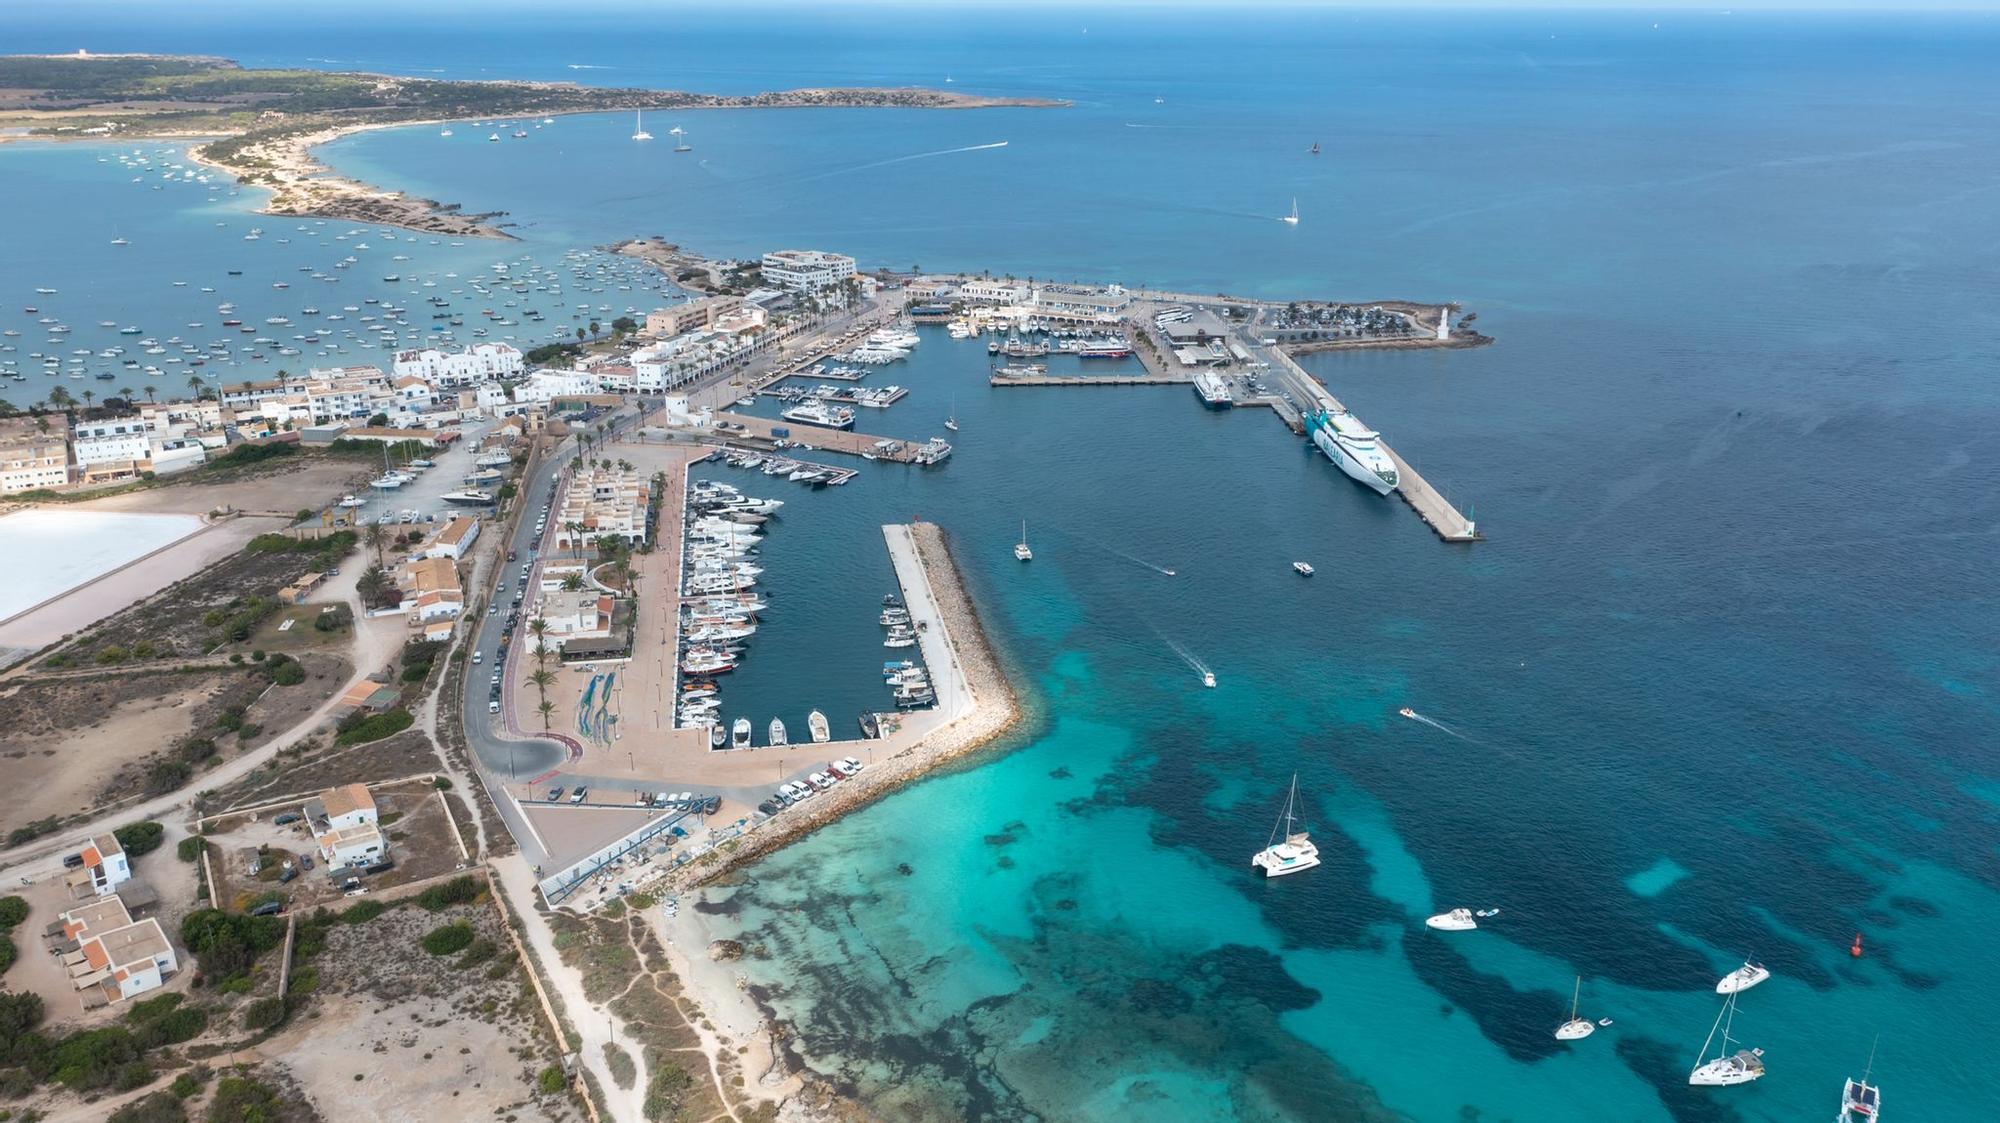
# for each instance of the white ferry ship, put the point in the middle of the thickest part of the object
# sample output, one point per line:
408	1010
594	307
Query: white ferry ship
1352	445
820	414
1213	390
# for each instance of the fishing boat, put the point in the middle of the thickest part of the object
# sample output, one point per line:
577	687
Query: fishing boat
1576	1028
1021	551
739	733
1457	920
777	733
1303	569
1292	219
816	724
1743	978
639	126
1740	1067
1208	679
1296	852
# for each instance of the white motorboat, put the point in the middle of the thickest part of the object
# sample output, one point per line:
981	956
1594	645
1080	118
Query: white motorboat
1457	920
777	732
1021	551
1743	978
1576	1028
1296	852
1303	569
1208	679
1727	1069
739	733
816	723
352	501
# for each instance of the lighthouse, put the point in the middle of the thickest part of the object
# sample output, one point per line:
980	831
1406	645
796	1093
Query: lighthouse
1444	323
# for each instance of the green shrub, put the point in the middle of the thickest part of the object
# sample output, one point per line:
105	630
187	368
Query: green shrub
376	727
551	1080
8	953
457	891
32	831
140	838
264	1013
665	1091
450	938
147	1010
481	950
239	1099
361	912
194	750
16	1082
13	910
165	776
190	848
190	1082
227	944
160	1107
111	655
441	783
93	1058
181	1025
130	1075
289	674
333	619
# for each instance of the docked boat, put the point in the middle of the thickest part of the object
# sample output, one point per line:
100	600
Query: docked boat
1743	978
1021	551
468	498
871	726
1213	390
717	737
1303	569
1727	1069
816	725
1296	852
777	733
1576	1028
900	637
1457	920
739	733
1103	349
1355	448
352	501
819	413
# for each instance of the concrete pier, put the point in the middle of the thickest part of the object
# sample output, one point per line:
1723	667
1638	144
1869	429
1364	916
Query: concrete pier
758	429
1090	380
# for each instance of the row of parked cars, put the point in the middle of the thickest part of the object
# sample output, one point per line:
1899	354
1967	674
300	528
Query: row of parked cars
798	791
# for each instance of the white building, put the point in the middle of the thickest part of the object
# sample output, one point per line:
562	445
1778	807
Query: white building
107	956
481	362
343	822
453	539
546	385
31	458
124	443
102	867
807	270
585	614
602	503
993	292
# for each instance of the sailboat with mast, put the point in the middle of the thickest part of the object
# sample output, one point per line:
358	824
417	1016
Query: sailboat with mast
1021	551
680	139
1293	854
951	422
1740	1067
1576	1028
639	126
1292	219
1860	1101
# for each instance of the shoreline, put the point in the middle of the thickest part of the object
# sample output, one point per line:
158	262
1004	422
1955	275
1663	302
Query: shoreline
994	713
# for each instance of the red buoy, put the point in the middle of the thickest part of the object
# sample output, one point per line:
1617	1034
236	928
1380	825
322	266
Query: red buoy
1855	951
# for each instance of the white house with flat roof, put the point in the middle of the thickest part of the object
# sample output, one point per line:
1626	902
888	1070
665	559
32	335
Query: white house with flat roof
343	822
107	955
100	867
806	270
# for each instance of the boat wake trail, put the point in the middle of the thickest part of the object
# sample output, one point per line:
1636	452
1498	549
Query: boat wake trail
899	160
1189	658
1138	561
1439	726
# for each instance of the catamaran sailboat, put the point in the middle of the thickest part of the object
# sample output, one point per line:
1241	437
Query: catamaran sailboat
1860	1101
1296	852
1292	219
1740	1067
1576	1028
639	126
1021	551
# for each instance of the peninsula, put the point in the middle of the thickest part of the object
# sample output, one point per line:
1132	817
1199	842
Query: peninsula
262	125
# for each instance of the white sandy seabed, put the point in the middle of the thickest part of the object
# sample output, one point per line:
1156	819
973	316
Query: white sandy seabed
46	552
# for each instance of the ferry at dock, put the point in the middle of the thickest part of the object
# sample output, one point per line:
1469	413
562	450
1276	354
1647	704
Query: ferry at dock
1213	390
820	414
1352	445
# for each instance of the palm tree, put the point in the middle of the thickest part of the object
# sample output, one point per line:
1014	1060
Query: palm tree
197	385
573	583
545	709
60	398
88	396
542	680
375	536
540	627
126	393
594	329
151	394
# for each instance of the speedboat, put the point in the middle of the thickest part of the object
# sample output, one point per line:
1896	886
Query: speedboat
716	737
816	723
1407	712
777	732
1457	920
1296	852
1743	978
1304	569
739	733
1208	679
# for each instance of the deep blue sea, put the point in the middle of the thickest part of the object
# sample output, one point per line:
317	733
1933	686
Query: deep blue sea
1722	681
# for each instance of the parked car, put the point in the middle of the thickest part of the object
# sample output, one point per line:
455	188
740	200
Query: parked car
577	795
383	866
852	765
289	872
268	908
492	706
480	656
287	819
820	781
72	861
306	860
555	793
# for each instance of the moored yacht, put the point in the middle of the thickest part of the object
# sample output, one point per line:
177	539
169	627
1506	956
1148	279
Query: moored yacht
777	733
1457	920
1743	978
1353	446
1296	852
739	730
1576	1028
1740	1067
1021	551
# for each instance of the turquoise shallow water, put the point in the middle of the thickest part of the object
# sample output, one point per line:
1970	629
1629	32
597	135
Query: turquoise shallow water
1720	683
